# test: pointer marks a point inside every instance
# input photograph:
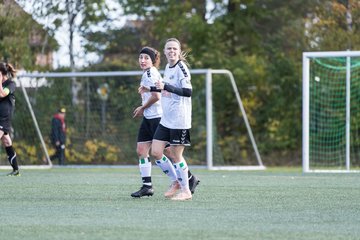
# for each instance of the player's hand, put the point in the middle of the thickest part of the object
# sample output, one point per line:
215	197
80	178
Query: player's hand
138	112
159	85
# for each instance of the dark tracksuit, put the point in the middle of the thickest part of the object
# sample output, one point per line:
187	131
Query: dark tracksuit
58	134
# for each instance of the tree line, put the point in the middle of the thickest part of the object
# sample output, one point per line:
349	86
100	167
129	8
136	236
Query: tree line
259	41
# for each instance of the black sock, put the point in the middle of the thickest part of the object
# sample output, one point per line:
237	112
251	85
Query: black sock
190	175
146	182
12	157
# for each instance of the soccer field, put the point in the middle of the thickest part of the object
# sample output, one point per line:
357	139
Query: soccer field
95	203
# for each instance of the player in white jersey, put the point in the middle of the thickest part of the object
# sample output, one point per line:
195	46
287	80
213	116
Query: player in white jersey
151	110
178	107
175	124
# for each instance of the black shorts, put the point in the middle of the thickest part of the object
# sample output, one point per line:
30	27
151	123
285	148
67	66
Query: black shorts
173	136
5	126
147	129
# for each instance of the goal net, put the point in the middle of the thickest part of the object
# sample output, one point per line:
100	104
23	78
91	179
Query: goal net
331	111
100	128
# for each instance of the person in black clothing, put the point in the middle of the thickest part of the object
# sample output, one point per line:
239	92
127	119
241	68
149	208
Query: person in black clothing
58	135
7	103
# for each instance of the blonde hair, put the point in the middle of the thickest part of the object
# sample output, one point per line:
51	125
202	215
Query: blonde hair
183	54
7	69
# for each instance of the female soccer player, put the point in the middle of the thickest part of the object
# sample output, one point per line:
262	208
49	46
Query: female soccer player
7	102
150	109
175	124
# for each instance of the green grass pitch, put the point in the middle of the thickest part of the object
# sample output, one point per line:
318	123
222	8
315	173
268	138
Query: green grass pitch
95	203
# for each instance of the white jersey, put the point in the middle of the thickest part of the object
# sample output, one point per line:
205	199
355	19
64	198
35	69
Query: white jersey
148	80
176	109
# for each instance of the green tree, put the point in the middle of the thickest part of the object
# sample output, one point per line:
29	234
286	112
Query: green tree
16	31
330	29
77	17
260	41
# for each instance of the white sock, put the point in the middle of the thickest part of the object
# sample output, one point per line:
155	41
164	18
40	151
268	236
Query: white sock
166	166
145	171
182	174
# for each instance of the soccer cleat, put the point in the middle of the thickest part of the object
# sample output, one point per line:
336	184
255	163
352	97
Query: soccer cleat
182	195
15	173
175	186
193	182
144	191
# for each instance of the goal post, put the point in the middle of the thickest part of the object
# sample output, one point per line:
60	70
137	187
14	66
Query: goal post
101	129
331	111
209	120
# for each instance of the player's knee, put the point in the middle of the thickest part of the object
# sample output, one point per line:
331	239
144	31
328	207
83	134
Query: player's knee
142	151
156	153
6	140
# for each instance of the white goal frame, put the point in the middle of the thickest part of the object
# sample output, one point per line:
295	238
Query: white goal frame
306	107
209	108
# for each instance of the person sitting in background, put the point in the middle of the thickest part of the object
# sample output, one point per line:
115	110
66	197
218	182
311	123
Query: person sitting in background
58	135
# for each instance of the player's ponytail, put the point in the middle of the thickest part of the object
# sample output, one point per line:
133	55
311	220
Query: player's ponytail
157	58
